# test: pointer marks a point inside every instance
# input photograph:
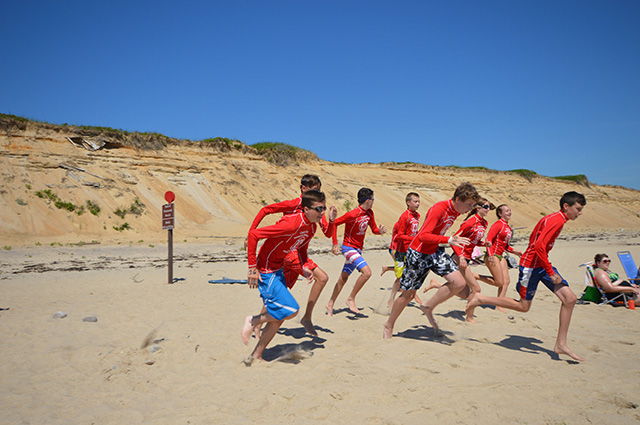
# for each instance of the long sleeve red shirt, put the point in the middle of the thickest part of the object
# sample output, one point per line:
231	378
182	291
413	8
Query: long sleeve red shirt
438	220
542	240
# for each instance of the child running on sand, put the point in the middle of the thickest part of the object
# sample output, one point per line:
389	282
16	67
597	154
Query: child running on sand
473	228
355	223
498	242
292	267
535	267
404	231
291	233
426	255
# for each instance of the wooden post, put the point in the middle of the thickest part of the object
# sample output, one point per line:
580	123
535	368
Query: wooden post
170	255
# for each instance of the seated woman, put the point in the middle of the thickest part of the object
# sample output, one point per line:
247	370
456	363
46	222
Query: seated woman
608	280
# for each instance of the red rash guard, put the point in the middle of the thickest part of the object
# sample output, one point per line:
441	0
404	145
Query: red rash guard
472	228
408	225
356	222
439	219
291	232
499	236
541	241
291	206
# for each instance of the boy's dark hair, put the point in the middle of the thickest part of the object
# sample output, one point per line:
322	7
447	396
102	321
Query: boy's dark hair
466	191
310	180
410	195
311	196
364	194
571	198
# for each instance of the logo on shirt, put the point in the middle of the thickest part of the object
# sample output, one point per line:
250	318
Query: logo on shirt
414	225
362	223
300	240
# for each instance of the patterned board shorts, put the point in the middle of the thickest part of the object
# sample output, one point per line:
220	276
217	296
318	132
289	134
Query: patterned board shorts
418	265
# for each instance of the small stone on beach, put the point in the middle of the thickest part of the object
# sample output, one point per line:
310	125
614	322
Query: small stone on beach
90	319
59	315
154	348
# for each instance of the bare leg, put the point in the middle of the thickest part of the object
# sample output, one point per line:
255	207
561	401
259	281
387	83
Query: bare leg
495	267
251	323
386	269
502	291
365	274
568	299
320	280
398	305
522	306
268	333
473	289
394	291
455	284
336	291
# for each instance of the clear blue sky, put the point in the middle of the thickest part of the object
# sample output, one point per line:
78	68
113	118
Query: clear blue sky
550	86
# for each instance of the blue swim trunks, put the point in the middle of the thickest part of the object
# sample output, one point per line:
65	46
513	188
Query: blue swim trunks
529	278
353	258
277	299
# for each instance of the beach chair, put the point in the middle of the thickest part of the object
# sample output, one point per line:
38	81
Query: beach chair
629	267
593	291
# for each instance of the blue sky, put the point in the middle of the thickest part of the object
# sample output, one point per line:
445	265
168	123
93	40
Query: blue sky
550	86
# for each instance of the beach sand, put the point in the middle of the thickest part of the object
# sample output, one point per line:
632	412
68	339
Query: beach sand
498	370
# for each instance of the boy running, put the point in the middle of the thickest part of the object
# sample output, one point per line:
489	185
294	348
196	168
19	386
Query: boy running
292	267
425	254
404	231
291	233
535	267
355	223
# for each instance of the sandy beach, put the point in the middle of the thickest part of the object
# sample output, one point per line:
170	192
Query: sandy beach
501	369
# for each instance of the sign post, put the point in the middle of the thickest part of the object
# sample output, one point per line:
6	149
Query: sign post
168	222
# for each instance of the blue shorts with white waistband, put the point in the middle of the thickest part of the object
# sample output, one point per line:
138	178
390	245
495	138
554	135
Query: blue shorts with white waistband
277	299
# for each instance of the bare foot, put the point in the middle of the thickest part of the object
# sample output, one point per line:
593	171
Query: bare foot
352	306
330	308
308	326
433	284
384	270
247	328
469	310
387	332
417	299
250	360
566	350
500	309
429	313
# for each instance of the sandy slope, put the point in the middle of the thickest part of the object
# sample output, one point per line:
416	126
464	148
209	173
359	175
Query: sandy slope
218	193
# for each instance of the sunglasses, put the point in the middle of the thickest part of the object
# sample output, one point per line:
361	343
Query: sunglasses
606	261
486	207
319	208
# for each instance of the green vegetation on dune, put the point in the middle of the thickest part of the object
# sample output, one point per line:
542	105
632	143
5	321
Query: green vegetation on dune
282	153
527	174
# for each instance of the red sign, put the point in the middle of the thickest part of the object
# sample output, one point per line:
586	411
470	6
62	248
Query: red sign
168	220
169	196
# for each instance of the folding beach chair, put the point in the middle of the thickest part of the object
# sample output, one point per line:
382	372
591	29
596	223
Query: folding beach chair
593	291
629	267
